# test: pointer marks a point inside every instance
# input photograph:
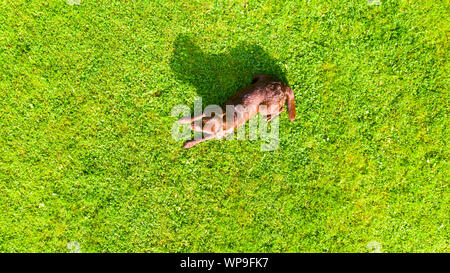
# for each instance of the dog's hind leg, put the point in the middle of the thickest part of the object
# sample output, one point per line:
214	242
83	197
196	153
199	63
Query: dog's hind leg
185	120
196	127
191	143
209	126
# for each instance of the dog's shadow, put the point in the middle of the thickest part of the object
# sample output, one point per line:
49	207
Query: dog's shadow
218	76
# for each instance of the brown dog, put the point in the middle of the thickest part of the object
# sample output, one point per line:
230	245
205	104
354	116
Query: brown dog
245	103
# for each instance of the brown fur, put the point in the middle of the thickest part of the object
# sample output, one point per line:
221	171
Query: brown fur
264	90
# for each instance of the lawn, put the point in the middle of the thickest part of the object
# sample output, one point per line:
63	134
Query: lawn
88	163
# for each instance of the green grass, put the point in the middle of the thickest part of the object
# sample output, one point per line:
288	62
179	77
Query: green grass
86	153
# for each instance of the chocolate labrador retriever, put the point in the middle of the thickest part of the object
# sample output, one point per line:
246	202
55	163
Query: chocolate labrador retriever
265	90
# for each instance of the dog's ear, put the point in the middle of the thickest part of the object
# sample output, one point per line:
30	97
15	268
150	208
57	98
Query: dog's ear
290	103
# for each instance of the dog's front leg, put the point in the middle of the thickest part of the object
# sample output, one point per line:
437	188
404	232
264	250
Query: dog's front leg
272	115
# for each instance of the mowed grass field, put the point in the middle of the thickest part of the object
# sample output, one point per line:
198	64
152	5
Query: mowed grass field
88	163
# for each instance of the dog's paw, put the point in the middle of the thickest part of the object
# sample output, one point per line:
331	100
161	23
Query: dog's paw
189	144
184	120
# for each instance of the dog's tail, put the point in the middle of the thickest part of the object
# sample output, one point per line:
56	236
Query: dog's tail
290	103
185	120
